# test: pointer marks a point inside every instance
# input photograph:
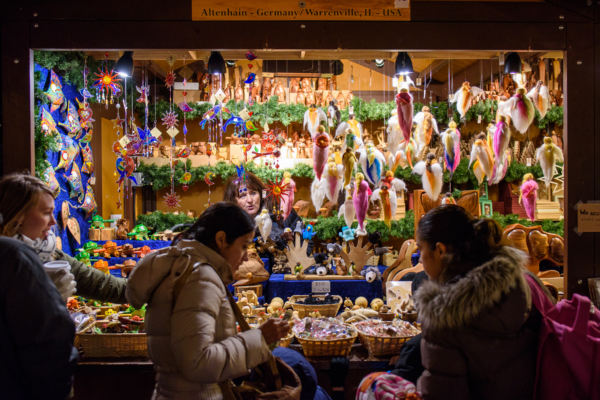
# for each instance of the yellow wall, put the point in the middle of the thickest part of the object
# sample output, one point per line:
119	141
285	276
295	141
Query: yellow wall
109	177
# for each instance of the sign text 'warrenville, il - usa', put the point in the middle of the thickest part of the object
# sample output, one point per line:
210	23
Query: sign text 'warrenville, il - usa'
281	10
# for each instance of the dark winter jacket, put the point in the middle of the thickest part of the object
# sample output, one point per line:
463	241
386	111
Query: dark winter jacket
480	333
37	357
93	284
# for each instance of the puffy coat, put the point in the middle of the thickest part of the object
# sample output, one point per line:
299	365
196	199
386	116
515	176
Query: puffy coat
480	334
93	284
194	343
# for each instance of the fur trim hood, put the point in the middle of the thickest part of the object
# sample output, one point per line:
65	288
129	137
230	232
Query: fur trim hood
459	303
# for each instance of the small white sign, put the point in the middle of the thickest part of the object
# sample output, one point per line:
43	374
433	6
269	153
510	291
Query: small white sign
479	119
189	86
244	114
350	110
330	121
321	286
155	132
395	82
529	161
173	132
268	74
220	95
92	180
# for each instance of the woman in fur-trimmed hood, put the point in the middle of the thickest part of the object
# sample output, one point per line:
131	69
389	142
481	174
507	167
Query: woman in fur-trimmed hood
479	329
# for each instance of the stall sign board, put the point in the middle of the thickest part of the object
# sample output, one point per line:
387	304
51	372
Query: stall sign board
289	10
588	217
321	287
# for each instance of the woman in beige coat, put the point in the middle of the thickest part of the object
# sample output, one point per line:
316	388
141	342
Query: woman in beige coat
193	341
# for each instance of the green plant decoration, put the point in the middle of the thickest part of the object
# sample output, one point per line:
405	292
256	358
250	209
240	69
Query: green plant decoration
158	221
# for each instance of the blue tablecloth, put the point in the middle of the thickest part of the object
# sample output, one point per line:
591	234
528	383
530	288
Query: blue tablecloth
279	287
153	244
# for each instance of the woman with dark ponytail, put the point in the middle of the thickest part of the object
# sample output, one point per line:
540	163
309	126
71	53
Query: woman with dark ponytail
190	321
479	328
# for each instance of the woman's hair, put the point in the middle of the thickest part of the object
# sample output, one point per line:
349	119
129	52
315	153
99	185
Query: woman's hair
227	217
469	241
19	193
252	182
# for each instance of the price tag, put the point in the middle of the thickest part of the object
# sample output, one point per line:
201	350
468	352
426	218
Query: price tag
330	121
173	132
350	110
124	140
268	74
92	180
529	161
321	286
479	119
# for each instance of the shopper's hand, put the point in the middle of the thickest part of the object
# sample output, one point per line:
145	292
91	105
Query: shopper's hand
64	282
274	329
338	370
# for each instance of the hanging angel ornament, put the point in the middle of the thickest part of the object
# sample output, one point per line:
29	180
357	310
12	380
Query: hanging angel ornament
482	159
548	155
540	97
500	167
264	224
320	151
372	162
392	182
349	163
347	209
362	192
464	98
334	112
353	124
404	101
520	109
395	140
432	176
451	142
53	90
528	196
288	202
388	202
313	117
426	124
335	179
318	191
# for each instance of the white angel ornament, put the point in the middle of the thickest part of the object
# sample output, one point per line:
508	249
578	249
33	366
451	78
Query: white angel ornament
482	159
312	119
264	223
347	209
540	97
432	176
548	155
426	125
464	97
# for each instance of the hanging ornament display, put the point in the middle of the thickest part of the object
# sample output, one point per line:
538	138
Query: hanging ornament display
50	179
88	161
89	202
53	90
74	179
107	84
72	125
47	123
68	153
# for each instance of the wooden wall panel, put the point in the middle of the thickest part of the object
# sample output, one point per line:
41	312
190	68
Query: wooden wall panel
579	152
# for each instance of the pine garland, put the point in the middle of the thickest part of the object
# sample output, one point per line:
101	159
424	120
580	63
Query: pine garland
160	177
158	221
556	227
330	227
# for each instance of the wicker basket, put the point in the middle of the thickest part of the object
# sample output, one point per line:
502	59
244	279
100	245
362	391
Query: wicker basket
334	347
114	345
326	310
379	346
286	341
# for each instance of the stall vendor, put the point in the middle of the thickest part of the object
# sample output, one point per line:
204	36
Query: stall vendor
248	194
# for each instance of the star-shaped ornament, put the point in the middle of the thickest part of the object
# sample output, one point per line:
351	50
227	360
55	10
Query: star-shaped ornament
118	122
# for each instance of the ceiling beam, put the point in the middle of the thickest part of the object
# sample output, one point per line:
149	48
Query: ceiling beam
435	66
157	70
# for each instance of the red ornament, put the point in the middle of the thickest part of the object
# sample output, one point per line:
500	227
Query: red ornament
185	188
250	113
250	66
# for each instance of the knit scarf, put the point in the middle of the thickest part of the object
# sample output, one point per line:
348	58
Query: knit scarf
44	248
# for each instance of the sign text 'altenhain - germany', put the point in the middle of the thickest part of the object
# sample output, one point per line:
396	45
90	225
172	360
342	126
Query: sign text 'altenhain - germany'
282	10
